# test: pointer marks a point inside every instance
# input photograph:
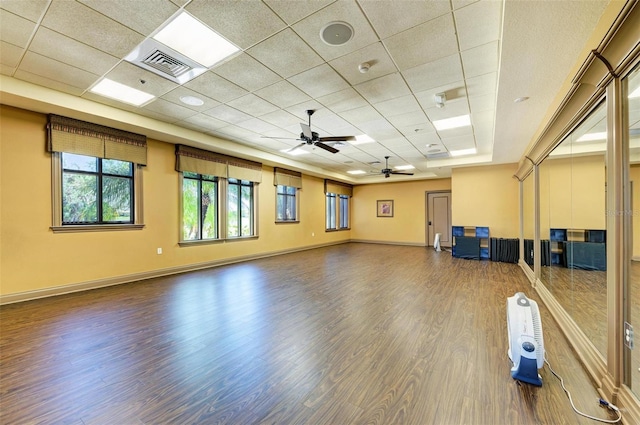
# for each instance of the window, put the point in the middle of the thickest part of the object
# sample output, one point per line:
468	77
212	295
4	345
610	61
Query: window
337	211
96	190
240	208
286	203
331	212
96	174
199	206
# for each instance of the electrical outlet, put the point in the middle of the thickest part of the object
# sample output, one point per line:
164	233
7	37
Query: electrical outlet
313	234
628	335
159	251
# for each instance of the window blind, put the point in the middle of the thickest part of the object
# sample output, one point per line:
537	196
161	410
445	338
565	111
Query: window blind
285	177
332	186
84	138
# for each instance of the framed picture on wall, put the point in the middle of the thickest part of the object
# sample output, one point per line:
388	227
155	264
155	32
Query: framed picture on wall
385	208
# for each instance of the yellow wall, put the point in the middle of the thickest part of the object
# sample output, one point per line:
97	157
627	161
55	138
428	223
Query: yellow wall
528	207
32	257
572	194
487	196
408	224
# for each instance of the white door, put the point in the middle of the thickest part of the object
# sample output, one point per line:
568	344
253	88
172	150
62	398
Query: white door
439	217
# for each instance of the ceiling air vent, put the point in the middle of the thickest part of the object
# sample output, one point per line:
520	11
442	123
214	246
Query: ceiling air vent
438	155
165	62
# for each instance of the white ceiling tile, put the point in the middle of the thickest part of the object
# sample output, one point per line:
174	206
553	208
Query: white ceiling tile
252	105
92	28
434	74
215	87
292	11
11	54
143	16
430	41
459	142
389	20
481	60
57	71
482	102
244	23
205	122
478	23
361	115
283	94
375	54
133	76
398	106
31	10
247	72
15	30
349	12
319	81
482	84
228	114
343	100
409	119
280	118
256	125
383	88
67	50
47	82
169	109
285	53
451	109
181	91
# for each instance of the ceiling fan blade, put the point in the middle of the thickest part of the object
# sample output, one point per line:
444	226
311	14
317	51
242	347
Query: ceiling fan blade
401	172
296	147
337	139
326	147
306	130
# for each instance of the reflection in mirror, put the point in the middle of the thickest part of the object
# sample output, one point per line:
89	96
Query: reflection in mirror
572	189
632	366
528	219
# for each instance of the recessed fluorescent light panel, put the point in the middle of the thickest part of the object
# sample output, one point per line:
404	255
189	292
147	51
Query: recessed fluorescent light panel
192	38
404	167
117	91
463	152
362	139
590	137
294	152
356	172
455	122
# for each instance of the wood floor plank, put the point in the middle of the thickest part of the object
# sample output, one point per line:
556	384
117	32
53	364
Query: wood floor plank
348	334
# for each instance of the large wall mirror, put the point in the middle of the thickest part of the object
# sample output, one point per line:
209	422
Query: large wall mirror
632	363
573	226
528	219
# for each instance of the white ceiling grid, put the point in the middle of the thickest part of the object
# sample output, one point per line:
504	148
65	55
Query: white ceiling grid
258	97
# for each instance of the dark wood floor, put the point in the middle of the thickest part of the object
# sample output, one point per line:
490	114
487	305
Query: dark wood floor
350	334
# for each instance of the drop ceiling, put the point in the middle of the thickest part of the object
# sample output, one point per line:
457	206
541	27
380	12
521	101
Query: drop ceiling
481	54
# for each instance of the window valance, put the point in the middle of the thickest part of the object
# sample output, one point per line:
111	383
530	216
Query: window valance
201	161
285	177
84	138
332	186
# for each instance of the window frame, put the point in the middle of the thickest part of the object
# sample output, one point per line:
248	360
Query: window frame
200	178
252	214
57	171
334	203
296	203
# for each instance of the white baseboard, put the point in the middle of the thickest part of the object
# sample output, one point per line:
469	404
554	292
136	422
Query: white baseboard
118	280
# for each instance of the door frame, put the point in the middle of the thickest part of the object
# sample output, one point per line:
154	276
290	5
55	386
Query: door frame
429	240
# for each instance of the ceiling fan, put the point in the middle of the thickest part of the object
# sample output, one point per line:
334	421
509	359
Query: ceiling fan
386	171
309	137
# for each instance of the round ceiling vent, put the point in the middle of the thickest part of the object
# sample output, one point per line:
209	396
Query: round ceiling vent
336	33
